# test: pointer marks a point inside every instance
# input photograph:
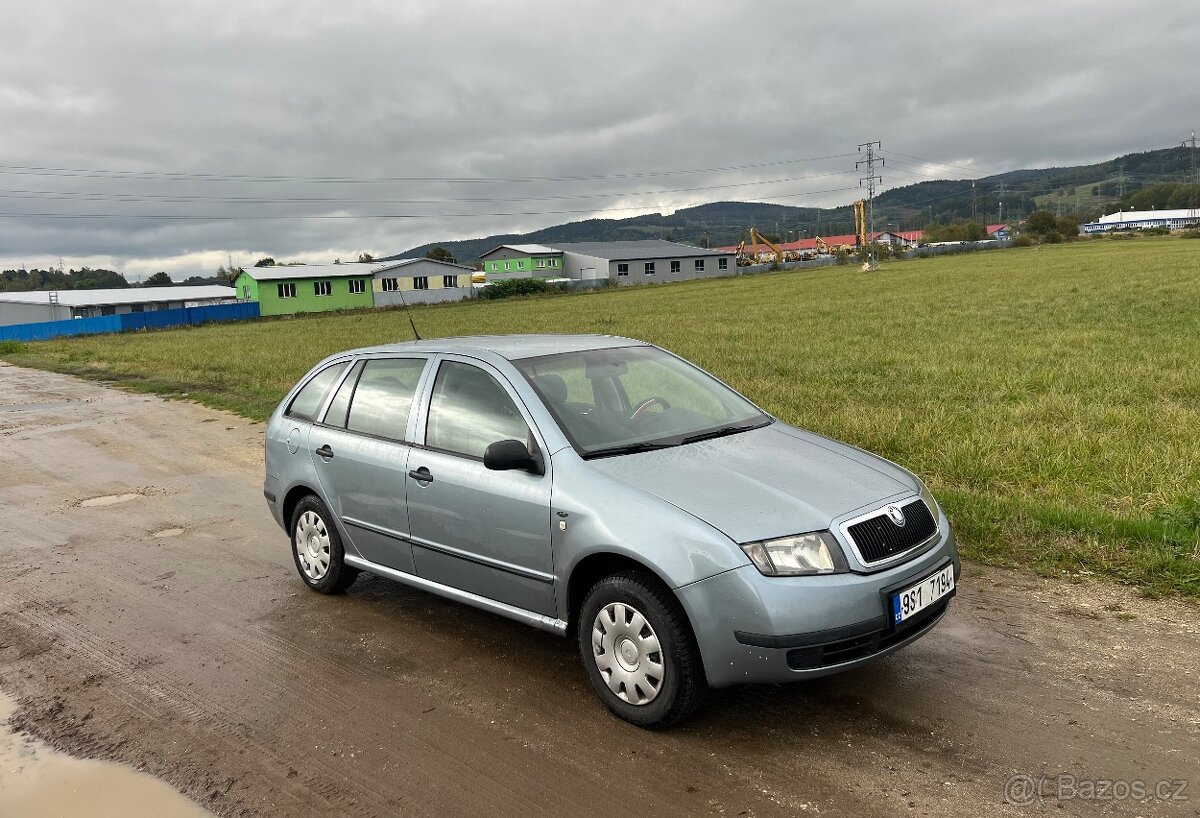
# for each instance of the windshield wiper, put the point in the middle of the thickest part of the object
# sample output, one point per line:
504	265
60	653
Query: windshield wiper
725	430
630	448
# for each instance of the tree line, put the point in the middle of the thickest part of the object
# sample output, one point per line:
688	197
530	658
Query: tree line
85	278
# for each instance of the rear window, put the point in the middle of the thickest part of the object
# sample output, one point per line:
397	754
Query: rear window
310	397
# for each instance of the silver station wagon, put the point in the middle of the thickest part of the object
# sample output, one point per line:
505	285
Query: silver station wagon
604	489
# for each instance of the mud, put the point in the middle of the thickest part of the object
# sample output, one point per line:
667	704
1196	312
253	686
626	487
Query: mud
37	782
170	633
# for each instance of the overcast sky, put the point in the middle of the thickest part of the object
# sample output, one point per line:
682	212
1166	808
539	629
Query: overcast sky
378	96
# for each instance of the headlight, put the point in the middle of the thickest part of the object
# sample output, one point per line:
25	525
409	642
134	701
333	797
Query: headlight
927	496
815	553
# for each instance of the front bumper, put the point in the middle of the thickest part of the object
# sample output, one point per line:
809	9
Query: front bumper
752	629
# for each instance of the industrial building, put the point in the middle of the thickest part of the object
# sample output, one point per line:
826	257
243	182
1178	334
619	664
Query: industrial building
63	305
622	262
642	262
283	290
1143	219
522	261
419	281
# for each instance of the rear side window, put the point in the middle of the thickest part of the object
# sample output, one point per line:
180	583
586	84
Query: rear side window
339	407
470	411
310	397
384	396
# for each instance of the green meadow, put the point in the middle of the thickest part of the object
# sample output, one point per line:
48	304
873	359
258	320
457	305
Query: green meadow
1050	396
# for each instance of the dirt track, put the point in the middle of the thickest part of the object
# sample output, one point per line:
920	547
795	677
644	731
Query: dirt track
150	613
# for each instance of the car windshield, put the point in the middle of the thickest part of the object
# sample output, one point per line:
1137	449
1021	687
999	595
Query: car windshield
636	398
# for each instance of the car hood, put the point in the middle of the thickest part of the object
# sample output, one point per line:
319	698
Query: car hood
768	482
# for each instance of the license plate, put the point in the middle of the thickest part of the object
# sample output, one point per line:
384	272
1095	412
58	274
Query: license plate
916	598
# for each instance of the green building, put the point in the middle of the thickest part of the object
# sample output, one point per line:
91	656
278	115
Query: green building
307	288
522	261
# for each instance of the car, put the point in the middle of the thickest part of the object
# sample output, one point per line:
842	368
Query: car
605	489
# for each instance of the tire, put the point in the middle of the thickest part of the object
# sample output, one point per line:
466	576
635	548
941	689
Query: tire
647	687
317	548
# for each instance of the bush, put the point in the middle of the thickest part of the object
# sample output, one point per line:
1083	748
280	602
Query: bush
1053	237
1157	231
1041	223
1191	234
8	347
1022	241
511	287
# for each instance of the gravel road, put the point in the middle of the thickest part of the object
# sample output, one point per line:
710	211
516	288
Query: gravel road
150	614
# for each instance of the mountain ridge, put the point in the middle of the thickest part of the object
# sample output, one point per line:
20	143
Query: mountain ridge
1084	190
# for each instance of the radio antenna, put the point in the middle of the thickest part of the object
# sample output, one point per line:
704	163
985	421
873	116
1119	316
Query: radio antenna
408	312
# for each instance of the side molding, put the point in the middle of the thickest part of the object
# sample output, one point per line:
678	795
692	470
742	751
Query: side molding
537	620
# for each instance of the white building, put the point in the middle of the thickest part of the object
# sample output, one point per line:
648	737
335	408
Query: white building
61	305
1142	219
420	281
643	262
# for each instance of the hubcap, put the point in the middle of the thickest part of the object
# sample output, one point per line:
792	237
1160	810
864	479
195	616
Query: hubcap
312	545
627	653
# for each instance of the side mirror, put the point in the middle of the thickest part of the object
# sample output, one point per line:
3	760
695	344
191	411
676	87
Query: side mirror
509	455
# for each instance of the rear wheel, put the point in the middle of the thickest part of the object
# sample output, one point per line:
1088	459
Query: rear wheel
638	649
317	548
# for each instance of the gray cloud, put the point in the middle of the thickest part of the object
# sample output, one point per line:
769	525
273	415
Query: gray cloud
522	88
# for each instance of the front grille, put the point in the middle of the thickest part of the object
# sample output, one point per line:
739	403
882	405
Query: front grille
860	647
878	538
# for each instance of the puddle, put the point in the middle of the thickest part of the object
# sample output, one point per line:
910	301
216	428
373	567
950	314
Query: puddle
109	500
38	782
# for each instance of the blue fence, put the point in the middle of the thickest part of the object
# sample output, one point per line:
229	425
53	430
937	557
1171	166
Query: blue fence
129	321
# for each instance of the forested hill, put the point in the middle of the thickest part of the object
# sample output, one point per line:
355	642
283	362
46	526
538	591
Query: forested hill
1084	190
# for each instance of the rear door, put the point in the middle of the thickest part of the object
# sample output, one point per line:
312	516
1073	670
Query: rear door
487	532
361	453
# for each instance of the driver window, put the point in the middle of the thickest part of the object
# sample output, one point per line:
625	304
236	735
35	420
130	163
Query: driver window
469	411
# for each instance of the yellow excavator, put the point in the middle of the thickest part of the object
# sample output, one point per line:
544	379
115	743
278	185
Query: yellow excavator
739	254
822	247
757	238
860	222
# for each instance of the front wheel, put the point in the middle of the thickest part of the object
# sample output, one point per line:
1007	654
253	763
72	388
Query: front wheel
638	649
317	548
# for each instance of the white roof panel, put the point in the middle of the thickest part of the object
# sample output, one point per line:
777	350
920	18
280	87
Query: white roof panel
1144	215
124	295
532	248
352	268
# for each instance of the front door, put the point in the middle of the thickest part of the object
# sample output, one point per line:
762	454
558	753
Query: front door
482	531
361	457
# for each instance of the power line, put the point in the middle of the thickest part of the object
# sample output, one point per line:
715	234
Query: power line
931	162
159	176
257	217
53	195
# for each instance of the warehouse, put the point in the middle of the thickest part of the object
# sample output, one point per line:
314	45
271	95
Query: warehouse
642	262
420	281
1144	219
283	290
63	305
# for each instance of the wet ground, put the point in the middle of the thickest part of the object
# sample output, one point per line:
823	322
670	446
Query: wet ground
150	615
38	782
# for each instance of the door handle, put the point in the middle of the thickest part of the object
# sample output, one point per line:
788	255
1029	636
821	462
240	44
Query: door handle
325	452
421	475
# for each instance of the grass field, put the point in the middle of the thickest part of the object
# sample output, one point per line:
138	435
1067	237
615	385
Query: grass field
1050	396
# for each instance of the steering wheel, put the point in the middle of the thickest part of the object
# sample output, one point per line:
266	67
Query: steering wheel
647	403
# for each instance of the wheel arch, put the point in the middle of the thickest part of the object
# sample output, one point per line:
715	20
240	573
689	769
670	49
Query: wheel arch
594	567
291	500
